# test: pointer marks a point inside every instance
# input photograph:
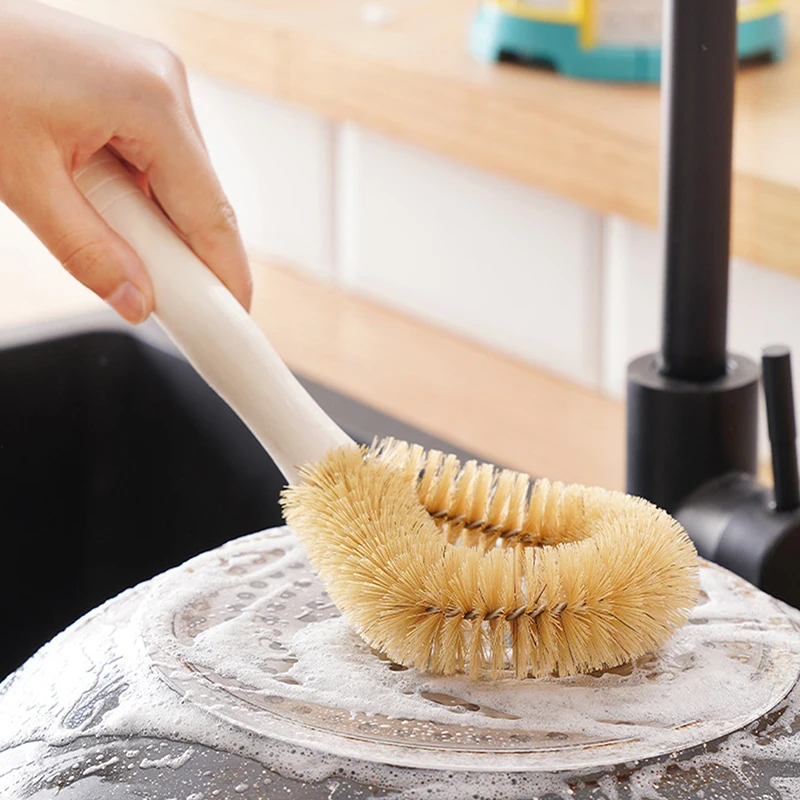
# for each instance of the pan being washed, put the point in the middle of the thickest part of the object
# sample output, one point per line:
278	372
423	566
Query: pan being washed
251	636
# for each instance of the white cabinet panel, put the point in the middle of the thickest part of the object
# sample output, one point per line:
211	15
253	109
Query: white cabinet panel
763	306
632	294
275	164
488	258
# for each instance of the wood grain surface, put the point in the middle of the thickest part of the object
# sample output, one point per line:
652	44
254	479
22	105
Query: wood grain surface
413	79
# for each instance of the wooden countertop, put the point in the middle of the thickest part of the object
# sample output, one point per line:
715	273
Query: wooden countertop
413	79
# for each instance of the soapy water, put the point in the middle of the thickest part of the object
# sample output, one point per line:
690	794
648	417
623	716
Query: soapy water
126	648
254	638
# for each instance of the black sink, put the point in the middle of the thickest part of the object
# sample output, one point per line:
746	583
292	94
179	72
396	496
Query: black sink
118	462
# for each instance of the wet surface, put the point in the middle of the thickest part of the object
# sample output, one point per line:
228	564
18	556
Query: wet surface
152	769
84	720
269	596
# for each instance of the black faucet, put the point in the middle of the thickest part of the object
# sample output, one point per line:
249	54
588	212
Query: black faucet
693	406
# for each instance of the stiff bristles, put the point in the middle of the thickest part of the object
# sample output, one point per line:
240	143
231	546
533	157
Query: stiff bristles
452	568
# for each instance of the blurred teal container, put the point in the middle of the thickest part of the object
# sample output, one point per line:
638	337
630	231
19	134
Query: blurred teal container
610	40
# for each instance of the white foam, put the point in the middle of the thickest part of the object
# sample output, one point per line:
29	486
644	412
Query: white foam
335	668
789	788
677	700
173	762
100	766
49	700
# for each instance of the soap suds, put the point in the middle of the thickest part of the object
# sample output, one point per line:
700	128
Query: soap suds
262	628
52	699
91	770
173	762
789	788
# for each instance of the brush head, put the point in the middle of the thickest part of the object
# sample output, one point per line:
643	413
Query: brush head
452	568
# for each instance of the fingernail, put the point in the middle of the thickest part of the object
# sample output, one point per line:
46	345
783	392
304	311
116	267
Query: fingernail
129	303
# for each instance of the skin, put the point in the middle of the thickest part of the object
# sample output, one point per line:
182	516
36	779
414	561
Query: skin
69	87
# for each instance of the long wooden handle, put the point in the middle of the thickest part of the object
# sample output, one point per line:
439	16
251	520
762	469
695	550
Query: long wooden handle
206	322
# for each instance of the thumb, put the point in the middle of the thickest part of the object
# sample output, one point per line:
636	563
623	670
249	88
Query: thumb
82	241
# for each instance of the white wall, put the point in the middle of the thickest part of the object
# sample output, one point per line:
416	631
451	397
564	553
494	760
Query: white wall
490	259
275	164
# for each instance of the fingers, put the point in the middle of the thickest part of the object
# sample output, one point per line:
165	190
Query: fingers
56	211
165	145
183	181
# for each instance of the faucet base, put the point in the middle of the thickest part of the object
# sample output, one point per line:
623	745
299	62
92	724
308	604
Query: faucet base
683	434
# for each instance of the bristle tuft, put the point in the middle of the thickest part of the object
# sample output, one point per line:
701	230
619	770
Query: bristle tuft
472	569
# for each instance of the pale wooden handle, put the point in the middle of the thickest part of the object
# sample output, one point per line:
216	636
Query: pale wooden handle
206	322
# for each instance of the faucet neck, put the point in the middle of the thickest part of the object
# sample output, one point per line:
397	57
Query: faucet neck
698	76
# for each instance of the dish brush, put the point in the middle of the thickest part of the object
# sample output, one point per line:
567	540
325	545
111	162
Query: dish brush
443	566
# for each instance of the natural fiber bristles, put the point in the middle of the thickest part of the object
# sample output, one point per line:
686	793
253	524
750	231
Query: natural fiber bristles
414	549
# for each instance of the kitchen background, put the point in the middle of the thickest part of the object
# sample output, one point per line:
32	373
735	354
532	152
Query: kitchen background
467	246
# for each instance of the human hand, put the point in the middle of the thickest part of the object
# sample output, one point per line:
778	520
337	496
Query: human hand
69	87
